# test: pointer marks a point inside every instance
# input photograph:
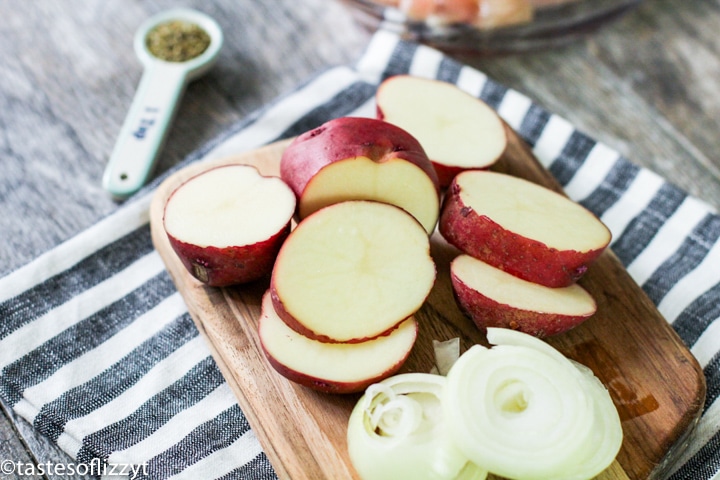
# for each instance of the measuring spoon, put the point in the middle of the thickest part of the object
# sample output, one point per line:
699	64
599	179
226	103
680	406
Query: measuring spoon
161	86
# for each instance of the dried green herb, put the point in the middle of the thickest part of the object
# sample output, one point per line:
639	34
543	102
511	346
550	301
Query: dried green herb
177	41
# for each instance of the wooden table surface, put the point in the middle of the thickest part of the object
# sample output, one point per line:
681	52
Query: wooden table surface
647	85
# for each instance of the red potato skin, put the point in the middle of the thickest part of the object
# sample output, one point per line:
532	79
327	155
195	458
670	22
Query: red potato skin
446	173
479	236
330	386
222	267
349	137
486	312
296	325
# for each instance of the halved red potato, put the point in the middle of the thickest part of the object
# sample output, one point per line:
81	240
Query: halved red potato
352	271
332	367
227	224
523	228
494	298
457	130
353	158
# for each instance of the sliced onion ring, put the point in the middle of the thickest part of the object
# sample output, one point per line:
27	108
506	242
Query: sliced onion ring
396	430
446	354
522	410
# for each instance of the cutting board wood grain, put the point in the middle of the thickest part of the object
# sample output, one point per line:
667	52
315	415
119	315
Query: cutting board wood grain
654	380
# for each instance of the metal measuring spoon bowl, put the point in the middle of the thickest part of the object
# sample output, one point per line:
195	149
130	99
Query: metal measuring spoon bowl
161	86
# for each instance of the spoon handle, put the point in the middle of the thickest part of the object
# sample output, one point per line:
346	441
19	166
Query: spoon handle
144	130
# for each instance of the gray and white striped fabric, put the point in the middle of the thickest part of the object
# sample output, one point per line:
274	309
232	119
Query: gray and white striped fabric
98	352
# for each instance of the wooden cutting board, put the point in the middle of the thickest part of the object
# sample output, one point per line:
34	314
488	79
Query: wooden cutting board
657	385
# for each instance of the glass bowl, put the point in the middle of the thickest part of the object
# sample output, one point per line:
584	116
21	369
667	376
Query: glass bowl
489	26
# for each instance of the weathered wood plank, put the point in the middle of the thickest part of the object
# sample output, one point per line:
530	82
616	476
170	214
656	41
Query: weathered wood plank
19	442
11	448
67	76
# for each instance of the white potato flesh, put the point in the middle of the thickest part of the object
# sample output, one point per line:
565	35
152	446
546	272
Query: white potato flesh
509	290
532	211
229	206
397	182
454	128
334	362
354	269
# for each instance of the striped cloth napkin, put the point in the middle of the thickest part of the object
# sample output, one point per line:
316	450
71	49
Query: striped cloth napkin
98	352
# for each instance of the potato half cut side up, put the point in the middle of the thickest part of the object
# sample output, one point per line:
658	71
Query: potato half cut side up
352	271
523	228
457	130
227	223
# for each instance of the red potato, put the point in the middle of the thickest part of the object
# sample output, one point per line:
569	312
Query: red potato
354	158
352	271
457	130
522	228
227	224
332	367
494	298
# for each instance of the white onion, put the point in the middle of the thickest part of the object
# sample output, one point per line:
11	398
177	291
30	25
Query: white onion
522	410
446	354
397	431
